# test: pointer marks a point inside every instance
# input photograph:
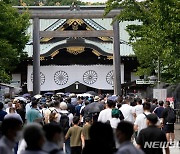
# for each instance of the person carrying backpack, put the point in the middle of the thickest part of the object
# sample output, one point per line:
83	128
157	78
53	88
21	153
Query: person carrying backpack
65	123
169	119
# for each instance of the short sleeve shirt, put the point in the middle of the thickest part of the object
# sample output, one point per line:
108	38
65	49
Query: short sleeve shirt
152	135
33	114
75	136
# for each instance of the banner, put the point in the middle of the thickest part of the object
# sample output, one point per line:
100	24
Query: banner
59	77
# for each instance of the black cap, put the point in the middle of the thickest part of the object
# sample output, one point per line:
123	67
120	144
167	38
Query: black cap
152	118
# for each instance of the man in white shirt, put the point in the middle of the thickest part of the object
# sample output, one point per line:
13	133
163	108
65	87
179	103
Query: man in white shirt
139	107
106	114
140	122
127	111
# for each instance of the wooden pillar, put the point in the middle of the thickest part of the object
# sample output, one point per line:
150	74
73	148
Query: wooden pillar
116	59
36	56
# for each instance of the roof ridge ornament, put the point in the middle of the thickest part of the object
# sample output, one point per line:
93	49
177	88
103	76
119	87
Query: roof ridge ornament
74	7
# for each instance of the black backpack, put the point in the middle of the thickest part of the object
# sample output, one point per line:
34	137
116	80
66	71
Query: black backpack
171	117
64	122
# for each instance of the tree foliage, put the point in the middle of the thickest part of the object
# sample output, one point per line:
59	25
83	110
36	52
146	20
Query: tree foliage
157	35
12	39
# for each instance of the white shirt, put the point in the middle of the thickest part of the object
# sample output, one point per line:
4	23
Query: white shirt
105	115
141	121
127	112
114	122
138	109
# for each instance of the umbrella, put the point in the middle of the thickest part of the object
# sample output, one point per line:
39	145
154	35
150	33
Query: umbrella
27	95
49	93
37	96
60	93
21	99
92	93
113	98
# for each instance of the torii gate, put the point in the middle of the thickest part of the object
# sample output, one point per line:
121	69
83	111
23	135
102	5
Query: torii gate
72	12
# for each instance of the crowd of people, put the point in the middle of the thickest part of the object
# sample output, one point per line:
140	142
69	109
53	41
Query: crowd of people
101	124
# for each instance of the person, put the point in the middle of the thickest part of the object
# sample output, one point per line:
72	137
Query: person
78	107
127	111
140	122
151	139
105	115
114	122
74	133
168	120
12	113
153	105
48	111
54	136
124	133
11	131
158	111
139	107
10	104
2	112
101	139
65	122
85	131
34	137
34	115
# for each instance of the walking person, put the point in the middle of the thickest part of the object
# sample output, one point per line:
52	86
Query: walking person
124	133
65	122
75	135
151	139
11	131
34	115
168	120
140	122
127	111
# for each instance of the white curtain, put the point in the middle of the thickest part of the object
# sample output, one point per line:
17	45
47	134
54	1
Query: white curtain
59	77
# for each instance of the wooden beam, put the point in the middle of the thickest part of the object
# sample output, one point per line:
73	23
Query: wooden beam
95	33
64	12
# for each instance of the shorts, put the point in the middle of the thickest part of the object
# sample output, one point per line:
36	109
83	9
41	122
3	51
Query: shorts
169	128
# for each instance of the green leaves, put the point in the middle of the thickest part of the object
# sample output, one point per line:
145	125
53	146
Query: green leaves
157	35
12	39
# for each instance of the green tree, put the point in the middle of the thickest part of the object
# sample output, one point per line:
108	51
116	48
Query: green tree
157	37
12	39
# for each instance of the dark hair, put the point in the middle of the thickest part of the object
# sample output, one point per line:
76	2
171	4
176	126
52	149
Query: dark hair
10	123
56	103
161	103
76	120
126	128
154	100
32	134
168	103
111	103
1	105
146	106
51	129
139	101
88	119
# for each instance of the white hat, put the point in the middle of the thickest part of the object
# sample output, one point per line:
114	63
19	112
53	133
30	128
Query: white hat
63	106
96	98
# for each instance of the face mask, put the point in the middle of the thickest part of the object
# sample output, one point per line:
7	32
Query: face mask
18	136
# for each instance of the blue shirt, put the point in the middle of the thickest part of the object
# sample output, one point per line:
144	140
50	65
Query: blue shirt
158	111
33	114
2	114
